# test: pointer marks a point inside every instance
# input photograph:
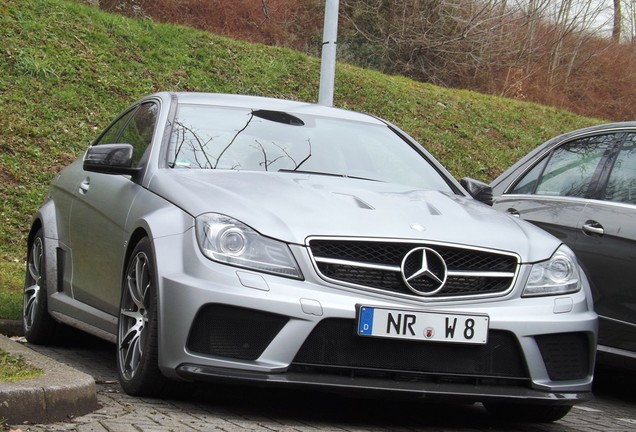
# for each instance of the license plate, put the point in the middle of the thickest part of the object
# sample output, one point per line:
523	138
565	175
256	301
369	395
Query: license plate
423	325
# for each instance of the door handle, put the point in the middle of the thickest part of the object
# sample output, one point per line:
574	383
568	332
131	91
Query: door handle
85	186
593	228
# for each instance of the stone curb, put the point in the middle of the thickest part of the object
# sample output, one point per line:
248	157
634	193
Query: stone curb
61	394
11	327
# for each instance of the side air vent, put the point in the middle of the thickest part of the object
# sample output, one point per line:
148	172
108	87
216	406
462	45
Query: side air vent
233	332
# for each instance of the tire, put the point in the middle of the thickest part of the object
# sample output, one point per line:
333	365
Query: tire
528	413
137	328
38	325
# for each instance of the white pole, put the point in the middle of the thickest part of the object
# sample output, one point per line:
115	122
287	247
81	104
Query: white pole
328	60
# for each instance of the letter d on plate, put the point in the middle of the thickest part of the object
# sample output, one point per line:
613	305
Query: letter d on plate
365	323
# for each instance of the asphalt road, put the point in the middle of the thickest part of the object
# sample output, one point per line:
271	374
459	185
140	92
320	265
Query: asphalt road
225	408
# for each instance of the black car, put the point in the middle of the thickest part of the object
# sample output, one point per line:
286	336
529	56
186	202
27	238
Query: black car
581	187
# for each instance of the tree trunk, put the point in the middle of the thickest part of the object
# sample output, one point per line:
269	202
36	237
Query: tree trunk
618	19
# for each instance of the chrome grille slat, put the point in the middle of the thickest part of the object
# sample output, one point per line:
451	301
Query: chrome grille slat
480	274
359	264
376	264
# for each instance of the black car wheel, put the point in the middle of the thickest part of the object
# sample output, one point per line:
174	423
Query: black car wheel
528	412
137	345
39	327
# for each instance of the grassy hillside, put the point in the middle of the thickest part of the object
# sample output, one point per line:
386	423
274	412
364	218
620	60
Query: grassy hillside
66	69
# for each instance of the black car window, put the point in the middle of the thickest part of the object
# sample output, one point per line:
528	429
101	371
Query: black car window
111	135
136	128
573	167
138	132
621	186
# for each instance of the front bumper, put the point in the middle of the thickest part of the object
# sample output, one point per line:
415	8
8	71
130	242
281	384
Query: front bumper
548	355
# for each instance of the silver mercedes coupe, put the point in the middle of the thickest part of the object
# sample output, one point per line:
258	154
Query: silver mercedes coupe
253	240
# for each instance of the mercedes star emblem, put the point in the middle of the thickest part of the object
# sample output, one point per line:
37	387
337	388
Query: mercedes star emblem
424	271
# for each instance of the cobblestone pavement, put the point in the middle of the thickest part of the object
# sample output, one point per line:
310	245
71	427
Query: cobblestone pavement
225	408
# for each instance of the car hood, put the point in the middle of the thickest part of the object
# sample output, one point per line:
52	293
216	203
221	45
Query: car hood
293	206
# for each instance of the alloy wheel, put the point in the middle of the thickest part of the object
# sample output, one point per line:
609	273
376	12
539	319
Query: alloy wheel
133	318
33	283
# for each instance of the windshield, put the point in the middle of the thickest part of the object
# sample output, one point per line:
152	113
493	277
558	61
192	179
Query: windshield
209	137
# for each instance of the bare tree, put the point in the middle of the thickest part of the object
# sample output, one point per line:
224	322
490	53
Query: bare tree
618	21
568	53
440	41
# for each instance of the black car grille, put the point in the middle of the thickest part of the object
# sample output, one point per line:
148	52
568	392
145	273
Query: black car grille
233	332
566	355
377	264
333	344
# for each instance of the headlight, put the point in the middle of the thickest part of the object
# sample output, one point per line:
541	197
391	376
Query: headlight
558	275
229	241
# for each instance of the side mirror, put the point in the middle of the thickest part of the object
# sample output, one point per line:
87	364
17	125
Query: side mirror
479	190
110	159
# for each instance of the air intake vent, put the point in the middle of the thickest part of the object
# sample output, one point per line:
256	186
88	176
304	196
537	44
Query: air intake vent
234	332
566	355
333	343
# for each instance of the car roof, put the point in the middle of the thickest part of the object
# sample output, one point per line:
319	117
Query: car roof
592	130
268	103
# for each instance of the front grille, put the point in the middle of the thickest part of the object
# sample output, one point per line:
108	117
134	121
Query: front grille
333	344
378	264
566	355
234	332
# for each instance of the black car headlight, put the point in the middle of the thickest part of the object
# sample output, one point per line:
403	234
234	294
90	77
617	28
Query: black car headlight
229	241
558	275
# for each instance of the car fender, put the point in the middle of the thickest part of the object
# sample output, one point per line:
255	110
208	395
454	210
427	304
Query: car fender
165	225
46	218
156	218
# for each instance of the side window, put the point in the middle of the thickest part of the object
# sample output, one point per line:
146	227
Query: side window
136	128
138	132
621	186
570	169
528	182
112	134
